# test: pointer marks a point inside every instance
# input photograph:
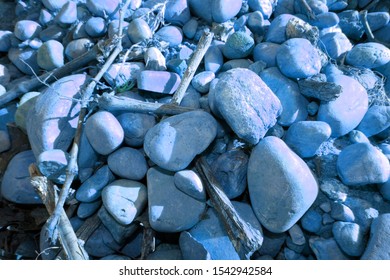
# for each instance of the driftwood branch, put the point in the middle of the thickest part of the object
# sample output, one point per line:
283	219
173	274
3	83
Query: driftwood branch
193	65
148	239
72	169
111	102
67	237
246	239
367	29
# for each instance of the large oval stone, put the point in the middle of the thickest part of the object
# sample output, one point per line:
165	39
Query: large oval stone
281	185
52	121
174	142
346	112
378	247
215	10
246	103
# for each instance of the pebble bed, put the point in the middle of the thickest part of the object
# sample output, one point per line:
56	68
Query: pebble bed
290	111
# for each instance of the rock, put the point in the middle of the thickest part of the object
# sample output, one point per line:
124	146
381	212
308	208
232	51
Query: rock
236	63
293	103
350	238
264	6
177	12
266	51
215	10
305	137
134	246
356	136
170	209
383	33
351	25
238	45
121	74
50	55
297	58
104	132
124	200
96	27
294	186
128	163
77	47
115	257
45	17
190	28
325	20
91	189
87	209
213	59
377	20
335	44
52	121
68	14
5	141
201	81
4	75
191	248
362	164
53	32
311	221
16	186
101	243
166	252
21	57
347	111
277	30
154	60
376	120
53	164
246	103
368	55
378	243
5	40
297	236
171	34
188	182
342	213
326	249
138	30
167	144
103	8
385	190
230	170
27	29
158	81
54	5
272	244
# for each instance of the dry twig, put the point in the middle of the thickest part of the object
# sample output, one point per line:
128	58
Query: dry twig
367	29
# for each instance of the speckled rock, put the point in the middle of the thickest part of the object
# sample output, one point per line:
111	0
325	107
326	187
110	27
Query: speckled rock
294	186
361	164
201	82
238	45
167	144
305	137
378	247
104	132
246	103
347	111
16	186
170	209
124	200
128	163
368	55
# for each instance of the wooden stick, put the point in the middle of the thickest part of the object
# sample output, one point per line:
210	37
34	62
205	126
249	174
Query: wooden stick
193	65
111	102
367	29
67	236
72	169
245	239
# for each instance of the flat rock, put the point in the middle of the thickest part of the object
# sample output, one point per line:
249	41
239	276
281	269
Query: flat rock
120	74
305	137
246	103
378	247
92	188
293	102
52	121
298	58
158	81
346	112
362	164
350	238
170	209
294	186
124	200
128	163
104	132
376	120
16	186
168	143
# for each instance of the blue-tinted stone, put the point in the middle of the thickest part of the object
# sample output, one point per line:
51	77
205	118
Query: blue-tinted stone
376	119
103	8
167	144
213	59
385	190
368	55
362	164
26	29
53	164
306	137
263	6
356	136
128	163
189	29
266	51
170	209
377	20
325	20
173	35
19	57
246	103
50	55
277	30
272	243
120	74
166	252
158	81
201	81
326	249
87	209
311	221
351	25
101	243
236	63
188	182
238	45
177	12
68	14
5	141
317	6
334	44
138	30
350	238
95	27
342	212
294	104
77	47
294	187
191	248
378	247
215	10
383	33
5	40
256	23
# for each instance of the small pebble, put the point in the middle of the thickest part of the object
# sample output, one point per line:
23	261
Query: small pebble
67	15
87	209
311	221
128	163
297	235
191	248
189	29
350	238
362	164
50	55
189	182
238	45
101	243
326	249
312	108
263	6
154	59
171	34
104	132
201	81
272	243
122	74
335	44
96	27
21	57
138	30
125	200
158	81
376	120
27	29
135	126
213	59
342	213
77	47
53	32
356	136
266	51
